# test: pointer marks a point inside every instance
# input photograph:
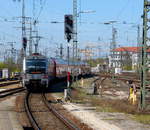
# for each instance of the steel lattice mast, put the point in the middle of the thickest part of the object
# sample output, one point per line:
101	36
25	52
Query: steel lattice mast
75	40
23	28
144	57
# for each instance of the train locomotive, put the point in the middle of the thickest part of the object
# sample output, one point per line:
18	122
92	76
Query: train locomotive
40	71
36	72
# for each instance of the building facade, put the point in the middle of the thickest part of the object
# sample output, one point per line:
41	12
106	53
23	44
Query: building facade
126	58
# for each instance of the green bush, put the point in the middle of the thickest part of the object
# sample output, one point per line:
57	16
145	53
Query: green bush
127	67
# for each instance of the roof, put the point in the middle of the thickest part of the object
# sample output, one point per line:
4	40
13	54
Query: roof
36	56
148	50
129	49
65	62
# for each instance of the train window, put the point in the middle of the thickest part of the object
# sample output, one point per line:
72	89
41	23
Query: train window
36	65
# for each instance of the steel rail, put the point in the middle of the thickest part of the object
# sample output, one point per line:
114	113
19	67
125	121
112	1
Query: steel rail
68	123
10	92
2	80
29	113
125	78
8	83
121	77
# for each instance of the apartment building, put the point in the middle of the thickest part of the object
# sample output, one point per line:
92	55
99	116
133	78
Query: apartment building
124	57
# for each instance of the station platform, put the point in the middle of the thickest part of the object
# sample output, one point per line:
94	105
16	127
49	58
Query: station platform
8	115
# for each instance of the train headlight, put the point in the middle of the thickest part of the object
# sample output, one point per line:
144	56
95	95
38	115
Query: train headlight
27	82
44	82
45	77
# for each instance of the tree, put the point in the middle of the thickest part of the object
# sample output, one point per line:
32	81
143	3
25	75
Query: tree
12	67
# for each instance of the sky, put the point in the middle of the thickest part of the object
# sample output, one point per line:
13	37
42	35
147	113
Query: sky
91	26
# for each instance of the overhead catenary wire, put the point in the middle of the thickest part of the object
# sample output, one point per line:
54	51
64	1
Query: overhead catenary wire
123	9
41	9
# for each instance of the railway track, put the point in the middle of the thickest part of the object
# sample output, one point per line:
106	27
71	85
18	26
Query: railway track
8	79
55	116
9	92
29	113
3	84
68	123
126	78
134	78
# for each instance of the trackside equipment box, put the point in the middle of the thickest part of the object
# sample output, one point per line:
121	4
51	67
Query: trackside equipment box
5	73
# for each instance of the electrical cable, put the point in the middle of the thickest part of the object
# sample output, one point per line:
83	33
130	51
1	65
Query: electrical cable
41	9
10	35
123	9
80	6
33	11
7	10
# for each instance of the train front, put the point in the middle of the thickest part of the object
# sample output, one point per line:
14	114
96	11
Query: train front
36	76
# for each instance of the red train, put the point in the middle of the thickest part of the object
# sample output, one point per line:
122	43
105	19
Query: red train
59	68
41	71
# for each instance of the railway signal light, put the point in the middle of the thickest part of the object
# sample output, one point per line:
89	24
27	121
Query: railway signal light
69	27
24	41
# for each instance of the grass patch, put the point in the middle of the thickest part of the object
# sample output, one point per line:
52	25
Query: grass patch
78	94
86	83
105	109
109	105
142	118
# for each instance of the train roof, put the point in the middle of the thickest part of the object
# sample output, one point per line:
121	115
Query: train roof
65	62
36	56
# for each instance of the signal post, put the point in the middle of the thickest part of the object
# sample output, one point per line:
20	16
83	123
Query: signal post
68	35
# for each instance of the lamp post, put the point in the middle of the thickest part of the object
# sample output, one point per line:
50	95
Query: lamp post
114	32
137	26
1	53
113	44
113	40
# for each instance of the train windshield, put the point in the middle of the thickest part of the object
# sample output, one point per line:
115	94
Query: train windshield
36	66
